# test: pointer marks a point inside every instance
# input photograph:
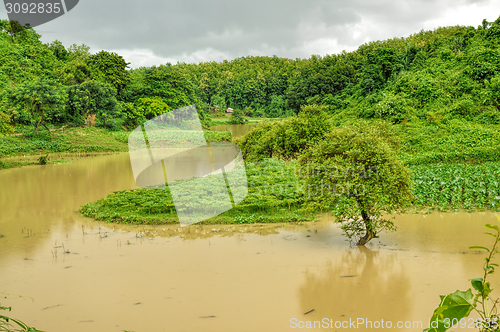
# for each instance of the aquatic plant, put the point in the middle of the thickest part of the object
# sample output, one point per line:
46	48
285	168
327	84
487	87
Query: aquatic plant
8	324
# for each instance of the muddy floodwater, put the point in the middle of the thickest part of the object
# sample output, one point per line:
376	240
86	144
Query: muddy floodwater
77	274
236	130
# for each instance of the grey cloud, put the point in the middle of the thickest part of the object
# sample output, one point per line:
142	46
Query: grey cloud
179	29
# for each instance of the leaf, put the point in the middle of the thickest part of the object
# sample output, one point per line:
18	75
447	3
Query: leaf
477	283
490	234
495	227
453	306
487	289
479	247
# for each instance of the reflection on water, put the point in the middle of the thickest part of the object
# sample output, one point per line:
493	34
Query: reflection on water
358	283
87	276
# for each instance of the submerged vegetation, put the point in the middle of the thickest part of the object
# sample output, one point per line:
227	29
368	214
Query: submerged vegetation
9	324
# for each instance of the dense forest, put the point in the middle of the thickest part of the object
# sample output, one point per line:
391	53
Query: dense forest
432	77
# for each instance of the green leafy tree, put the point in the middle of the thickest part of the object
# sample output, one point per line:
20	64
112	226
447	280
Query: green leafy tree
219	103
152	106
110	68
164	81
79	52
355	172
14	28
237	117
42	98
132	115
73	72
5	126
286	139
59	50
90	98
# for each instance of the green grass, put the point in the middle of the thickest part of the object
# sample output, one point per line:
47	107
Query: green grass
267	201
454	142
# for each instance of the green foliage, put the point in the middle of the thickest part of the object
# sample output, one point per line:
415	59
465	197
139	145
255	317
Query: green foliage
109	68
456	142
454	187
8	324
73	72
44	100
14	28
5	126
132	115
79	52
237	117
451	310
43	160
59	50
163	82
73	140
275	194
91	97
152	106
355	172
286	139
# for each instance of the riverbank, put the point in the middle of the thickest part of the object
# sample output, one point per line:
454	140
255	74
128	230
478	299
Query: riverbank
225	120
62	144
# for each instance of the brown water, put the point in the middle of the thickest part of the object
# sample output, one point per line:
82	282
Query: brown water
212	278
236	130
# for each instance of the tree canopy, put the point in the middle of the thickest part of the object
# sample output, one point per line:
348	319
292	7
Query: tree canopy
356	173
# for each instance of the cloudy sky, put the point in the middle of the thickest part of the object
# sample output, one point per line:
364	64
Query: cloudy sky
151	32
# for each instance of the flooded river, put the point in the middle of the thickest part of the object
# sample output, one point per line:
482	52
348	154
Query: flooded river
236	130
79	275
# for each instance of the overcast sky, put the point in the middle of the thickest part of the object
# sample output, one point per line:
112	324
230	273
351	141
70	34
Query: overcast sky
151	32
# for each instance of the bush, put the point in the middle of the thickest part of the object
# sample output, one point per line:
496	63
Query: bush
237	117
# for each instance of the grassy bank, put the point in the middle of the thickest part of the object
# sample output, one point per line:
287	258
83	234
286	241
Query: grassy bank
274	195
68	140
278	193
225	120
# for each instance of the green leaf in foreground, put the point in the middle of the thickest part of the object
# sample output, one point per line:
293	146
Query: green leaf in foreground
477	283
479	247
453	307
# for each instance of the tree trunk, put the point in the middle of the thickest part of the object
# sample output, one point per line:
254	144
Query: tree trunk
39	107
370	234
38	123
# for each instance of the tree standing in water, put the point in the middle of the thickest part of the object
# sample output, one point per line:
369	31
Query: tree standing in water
355	172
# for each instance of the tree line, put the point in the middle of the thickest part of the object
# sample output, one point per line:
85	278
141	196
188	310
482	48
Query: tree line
430	76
